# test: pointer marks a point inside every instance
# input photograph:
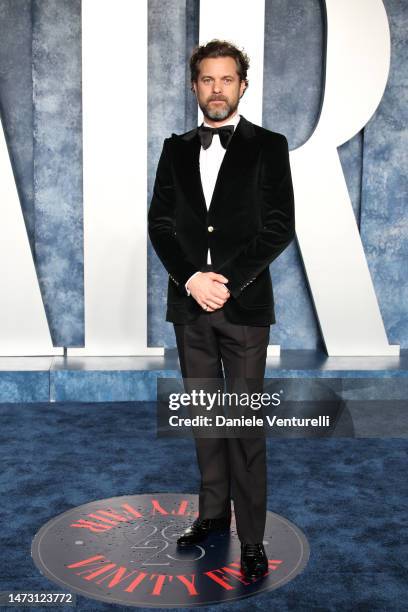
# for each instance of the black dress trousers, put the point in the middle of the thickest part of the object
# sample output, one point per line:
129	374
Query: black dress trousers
211	347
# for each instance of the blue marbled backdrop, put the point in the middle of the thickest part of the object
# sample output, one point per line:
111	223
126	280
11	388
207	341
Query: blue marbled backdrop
56	70
40	96
40	101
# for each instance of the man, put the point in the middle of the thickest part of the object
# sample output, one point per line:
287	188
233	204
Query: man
222	211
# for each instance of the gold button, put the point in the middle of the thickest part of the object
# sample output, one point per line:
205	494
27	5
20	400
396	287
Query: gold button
210	228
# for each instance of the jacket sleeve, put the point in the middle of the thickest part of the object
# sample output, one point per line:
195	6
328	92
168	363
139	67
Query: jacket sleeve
278	216
161	225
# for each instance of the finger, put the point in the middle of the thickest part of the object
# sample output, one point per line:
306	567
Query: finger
217	293
218	296
218	300
205	306
218	277
221	287
214	305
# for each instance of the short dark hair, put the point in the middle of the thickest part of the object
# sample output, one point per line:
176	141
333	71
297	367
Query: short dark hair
219	48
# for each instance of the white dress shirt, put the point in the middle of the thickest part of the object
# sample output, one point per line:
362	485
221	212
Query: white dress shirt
210	162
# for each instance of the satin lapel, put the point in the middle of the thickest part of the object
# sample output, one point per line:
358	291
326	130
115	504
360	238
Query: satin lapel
188	161
237	157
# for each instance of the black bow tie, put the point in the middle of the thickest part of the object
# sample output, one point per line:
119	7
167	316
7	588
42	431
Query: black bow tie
205	133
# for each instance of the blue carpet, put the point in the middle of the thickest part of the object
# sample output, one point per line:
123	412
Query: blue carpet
348	496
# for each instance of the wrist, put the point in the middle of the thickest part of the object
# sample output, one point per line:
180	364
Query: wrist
188	281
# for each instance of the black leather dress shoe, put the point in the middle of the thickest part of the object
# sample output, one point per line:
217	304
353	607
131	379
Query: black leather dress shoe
201	529
254	562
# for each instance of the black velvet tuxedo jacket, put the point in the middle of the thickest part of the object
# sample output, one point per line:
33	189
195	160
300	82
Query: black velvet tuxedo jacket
250	220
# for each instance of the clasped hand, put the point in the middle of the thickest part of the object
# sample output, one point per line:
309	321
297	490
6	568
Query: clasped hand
208	290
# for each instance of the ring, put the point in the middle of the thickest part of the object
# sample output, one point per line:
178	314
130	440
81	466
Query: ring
205	307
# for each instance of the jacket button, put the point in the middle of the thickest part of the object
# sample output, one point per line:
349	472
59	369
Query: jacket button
210	228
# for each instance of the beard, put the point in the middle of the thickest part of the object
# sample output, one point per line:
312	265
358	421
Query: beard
219	114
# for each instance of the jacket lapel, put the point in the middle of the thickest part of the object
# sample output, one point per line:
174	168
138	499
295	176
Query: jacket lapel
189	170
236	161
238	155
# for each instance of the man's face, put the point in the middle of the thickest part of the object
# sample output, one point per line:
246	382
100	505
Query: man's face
218	88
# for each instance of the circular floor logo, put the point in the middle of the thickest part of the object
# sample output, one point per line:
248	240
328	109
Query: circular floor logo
123	550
